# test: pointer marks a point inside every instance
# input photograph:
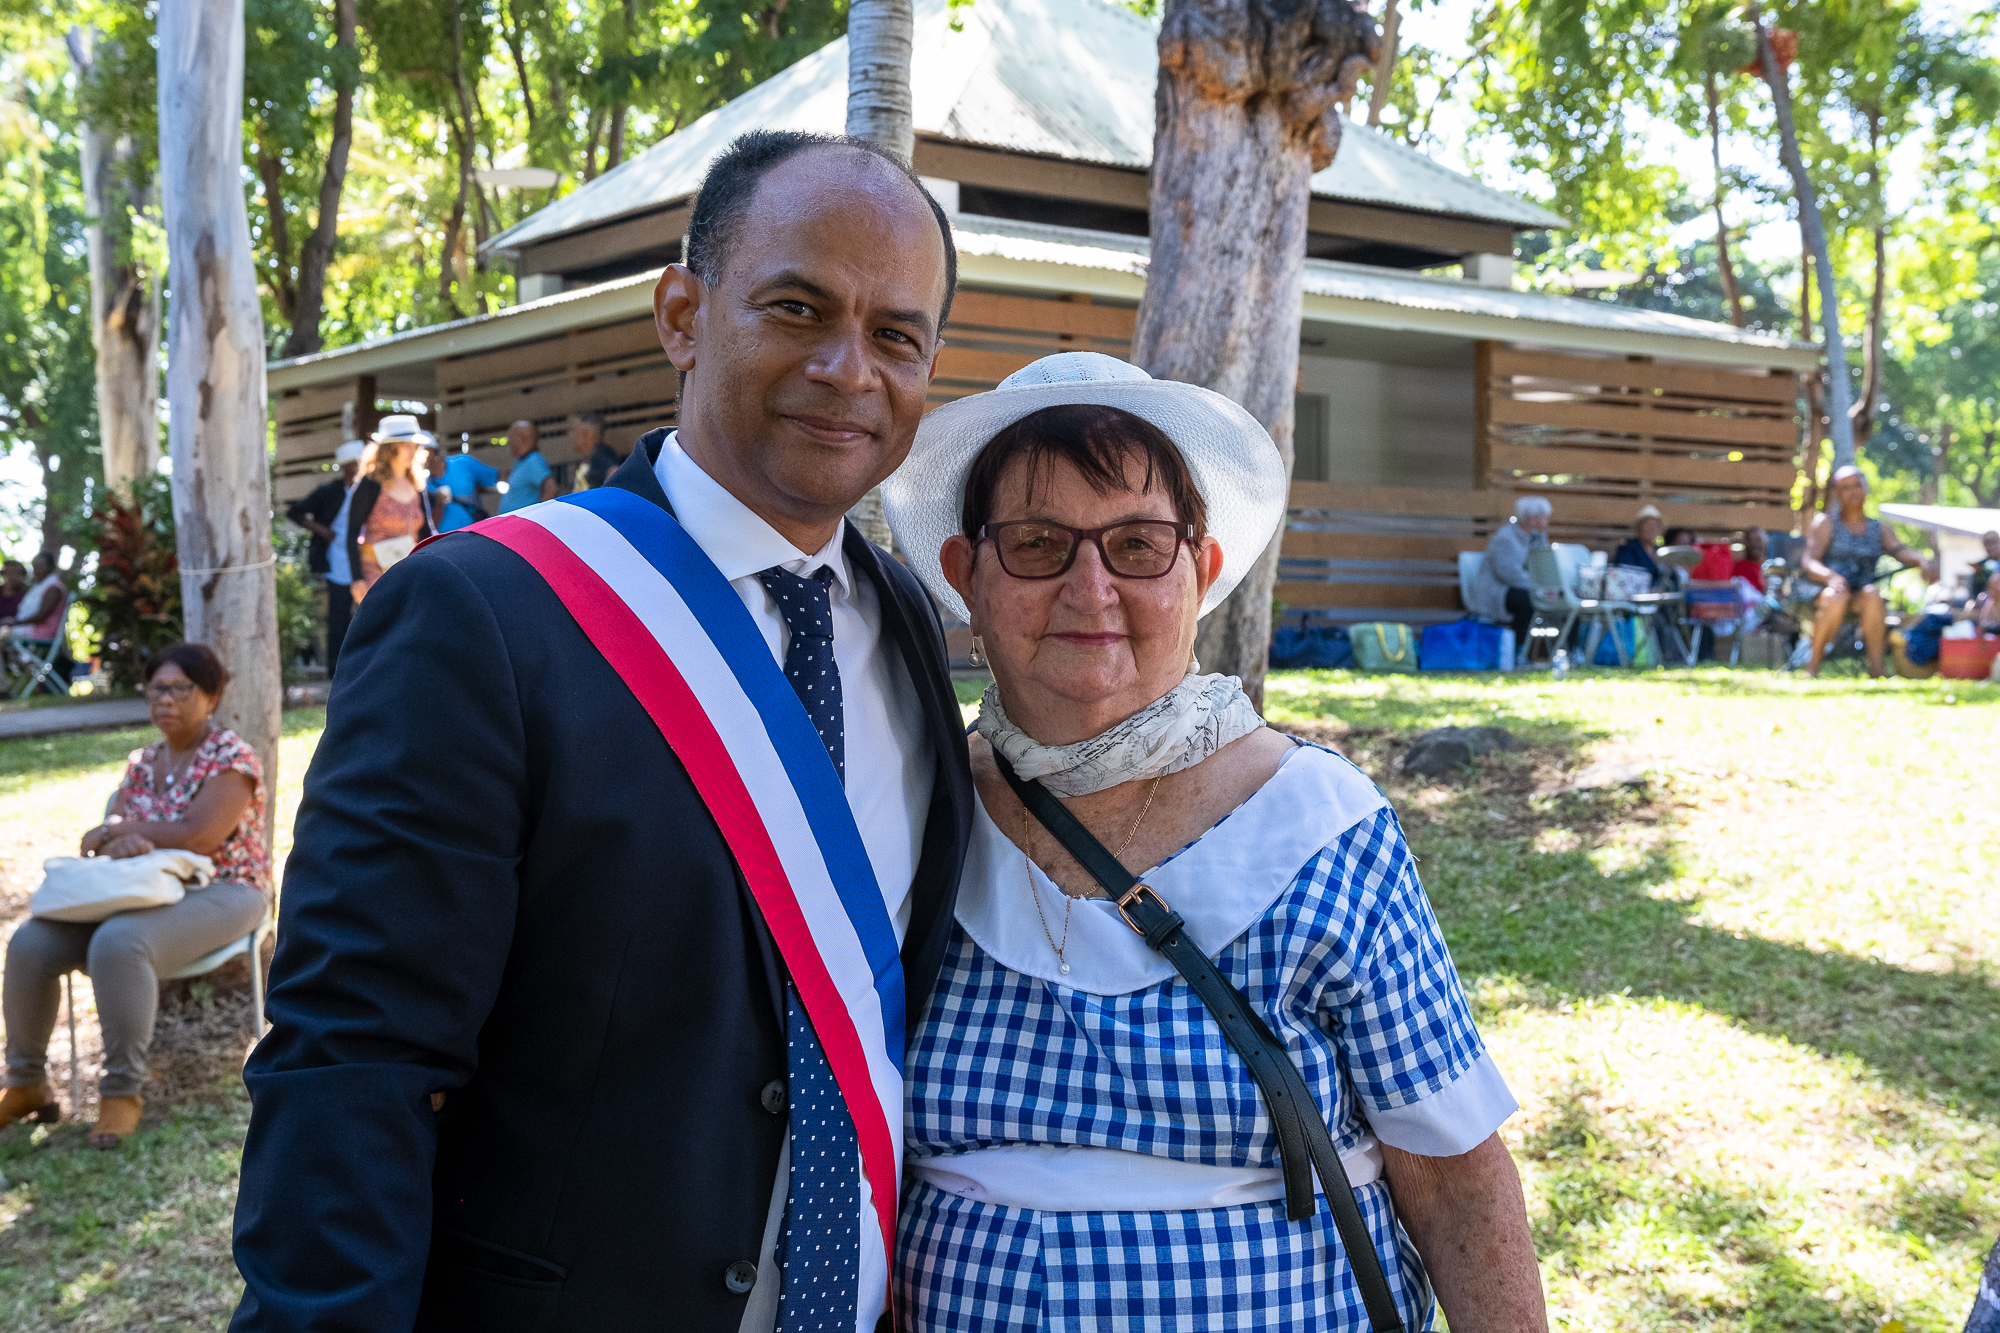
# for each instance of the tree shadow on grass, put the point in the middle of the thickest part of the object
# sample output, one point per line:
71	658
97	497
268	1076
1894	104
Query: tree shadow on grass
1581	922
1600	1181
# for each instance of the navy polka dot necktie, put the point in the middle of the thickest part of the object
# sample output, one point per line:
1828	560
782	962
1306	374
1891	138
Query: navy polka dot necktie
819	1252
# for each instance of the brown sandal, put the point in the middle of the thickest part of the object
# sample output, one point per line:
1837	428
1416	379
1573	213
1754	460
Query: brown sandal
36	1102
117	1118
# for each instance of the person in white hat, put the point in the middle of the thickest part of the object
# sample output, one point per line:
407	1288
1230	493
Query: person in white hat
323	513
1082	1126
390	511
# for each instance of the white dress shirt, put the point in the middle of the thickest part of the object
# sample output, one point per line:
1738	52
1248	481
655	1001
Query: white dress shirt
890	767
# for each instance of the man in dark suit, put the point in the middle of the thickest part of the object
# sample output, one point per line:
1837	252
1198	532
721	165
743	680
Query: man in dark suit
323	512
534	1050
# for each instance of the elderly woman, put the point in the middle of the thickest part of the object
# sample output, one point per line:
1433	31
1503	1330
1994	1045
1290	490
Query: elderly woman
1500	589
1087	1147
1636	551
201	789
1843	546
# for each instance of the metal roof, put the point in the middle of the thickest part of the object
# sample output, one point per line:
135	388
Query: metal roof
1952	518
1027	256
1069	79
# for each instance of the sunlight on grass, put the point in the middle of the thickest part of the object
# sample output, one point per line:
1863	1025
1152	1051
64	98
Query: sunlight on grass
1749	1008
138	1238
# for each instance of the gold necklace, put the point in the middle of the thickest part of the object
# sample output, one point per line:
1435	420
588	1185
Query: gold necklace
1069	901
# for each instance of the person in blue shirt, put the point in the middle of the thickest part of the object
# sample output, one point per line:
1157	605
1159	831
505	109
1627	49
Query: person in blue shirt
532	479
461	480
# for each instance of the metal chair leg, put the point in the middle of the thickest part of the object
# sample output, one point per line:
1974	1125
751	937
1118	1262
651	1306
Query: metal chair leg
75	1062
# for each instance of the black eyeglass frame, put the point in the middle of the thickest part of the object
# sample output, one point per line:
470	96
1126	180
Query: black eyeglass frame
1183	535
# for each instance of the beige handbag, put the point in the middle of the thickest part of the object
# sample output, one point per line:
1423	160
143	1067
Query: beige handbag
389	550
92	888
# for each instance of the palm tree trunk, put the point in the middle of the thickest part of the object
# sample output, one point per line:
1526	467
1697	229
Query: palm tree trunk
1246	110
215	370
1864	409
879	35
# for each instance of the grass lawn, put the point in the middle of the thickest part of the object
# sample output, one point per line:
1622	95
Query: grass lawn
1748	1004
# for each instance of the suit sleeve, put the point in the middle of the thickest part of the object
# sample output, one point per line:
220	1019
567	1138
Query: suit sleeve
398	914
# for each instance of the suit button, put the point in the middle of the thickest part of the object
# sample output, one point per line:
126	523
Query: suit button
740	1276
773	1096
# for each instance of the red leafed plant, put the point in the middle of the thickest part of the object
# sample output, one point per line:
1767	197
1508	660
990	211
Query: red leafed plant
134	602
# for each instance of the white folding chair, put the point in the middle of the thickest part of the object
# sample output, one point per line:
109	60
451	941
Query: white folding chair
200	967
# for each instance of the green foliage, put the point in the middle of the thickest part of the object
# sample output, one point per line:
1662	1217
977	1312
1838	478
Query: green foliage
134	600
298	616
48	402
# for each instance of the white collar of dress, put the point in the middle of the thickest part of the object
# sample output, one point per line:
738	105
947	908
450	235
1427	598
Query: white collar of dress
1221	884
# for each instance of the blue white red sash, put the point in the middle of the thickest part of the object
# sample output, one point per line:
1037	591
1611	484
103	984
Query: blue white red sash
681	640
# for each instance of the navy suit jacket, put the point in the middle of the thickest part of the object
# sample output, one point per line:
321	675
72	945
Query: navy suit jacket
504	887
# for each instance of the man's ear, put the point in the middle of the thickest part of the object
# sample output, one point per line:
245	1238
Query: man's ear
677	310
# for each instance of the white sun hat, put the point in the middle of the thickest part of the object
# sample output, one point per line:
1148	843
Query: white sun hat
400	426
1236	467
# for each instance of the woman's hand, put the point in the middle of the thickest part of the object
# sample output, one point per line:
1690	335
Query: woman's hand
93	841
128	845
1836	586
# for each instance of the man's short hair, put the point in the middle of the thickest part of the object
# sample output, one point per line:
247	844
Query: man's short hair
591	418
731	183
1532	506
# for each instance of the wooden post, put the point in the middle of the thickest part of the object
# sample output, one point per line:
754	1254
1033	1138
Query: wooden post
1483	391
215	371
1246	112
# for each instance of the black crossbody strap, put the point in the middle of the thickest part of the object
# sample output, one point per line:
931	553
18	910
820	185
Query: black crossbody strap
1303	1140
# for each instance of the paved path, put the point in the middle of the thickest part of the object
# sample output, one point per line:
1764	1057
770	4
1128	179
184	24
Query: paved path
72	717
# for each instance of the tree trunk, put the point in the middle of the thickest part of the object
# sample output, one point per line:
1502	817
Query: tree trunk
316	255
614	142
1246	110
1837	391
879	35
124	298
879	38
1815	385
1864	409
1731	297
1385	65
215	370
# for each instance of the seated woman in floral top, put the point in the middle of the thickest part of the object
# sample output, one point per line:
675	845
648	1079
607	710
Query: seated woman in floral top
200	789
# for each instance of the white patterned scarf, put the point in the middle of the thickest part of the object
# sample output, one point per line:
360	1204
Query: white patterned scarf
1178	730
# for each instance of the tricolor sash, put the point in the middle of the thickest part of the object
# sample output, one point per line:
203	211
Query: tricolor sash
681	640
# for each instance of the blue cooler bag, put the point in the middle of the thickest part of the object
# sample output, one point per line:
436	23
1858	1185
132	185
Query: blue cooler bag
1467	645
1309	645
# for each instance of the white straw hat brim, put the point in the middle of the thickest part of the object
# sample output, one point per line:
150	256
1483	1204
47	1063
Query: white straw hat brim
1235	465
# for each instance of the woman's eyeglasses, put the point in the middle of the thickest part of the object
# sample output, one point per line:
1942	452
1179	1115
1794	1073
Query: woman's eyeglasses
178	691
1142	549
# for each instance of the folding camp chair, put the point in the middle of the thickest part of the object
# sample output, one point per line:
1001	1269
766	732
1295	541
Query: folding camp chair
1555	596
33	663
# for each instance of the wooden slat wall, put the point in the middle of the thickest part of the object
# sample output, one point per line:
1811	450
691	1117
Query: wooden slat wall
1597	436
617	369
311	424
1638	430
991	336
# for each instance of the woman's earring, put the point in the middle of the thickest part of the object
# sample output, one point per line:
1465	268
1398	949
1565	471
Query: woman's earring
977	657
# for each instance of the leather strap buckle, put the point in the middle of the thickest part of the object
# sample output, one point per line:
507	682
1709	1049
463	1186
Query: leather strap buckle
1132	893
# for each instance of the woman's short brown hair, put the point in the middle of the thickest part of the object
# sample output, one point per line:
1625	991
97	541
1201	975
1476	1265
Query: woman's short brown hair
1100	443
197	662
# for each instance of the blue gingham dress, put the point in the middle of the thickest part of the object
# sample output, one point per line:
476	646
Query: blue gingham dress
1347	965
